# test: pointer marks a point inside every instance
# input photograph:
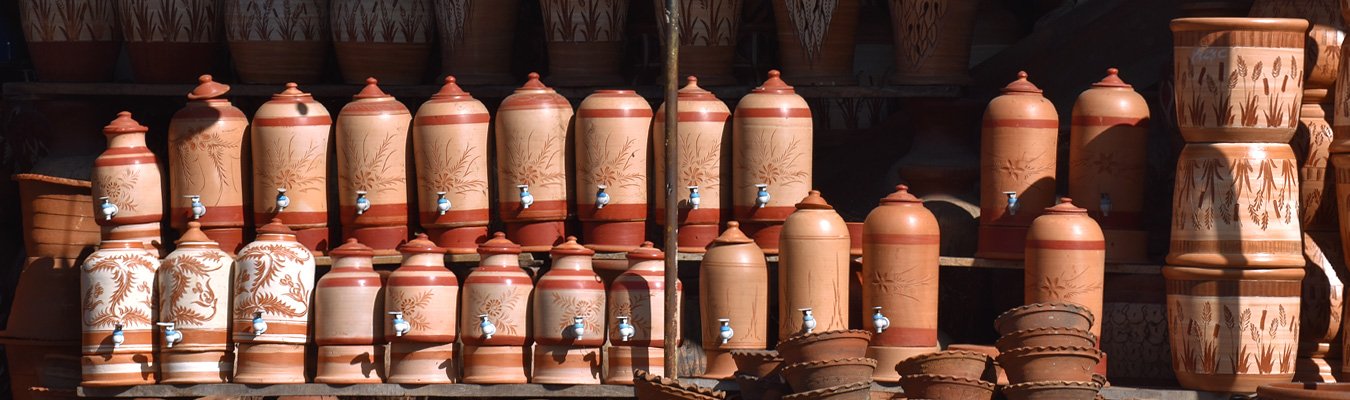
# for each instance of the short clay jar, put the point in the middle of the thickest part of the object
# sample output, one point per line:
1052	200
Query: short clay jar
956	363
1053	363
814	375
757	363
1055	390
1303	391
827	345
1046	336
1040	315
853	391
946	387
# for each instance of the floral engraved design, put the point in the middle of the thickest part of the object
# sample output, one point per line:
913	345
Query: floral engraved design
297	170
130	279
584	20
413	306
268	262
374	169
223	154
1067	285
191	298
169	20
920	21
1259	339
591	310
811	21
638	308
777	164
69	20
453	171
1265	95
501	309
1024	168
287	20
384	21
535	167
1315	145
121	189
900	283
699	165
1265	185
616	169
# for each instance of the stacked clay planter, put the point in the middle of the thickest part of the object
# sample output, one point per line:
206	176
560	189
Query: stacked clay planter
932	41
611	156
733	288
585	41
638	296
426	296
771	146
127	177
815	40
79	45
1236	259
476	38
277	42
1107	144
117	299
708	33
170	41
1066	261
274	282
494	318
570	293
532	132
206	165
57	221
372	144
1340	161
348	318
813	269
194	294
703	134
1017	167
450	147
367	35
1046	346
900	241
290	165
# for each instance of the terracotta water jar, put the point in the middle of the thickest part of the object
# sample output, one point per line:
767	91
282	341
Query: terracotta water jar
194	295
932	41
900	240
585	40
277	42
170	41
532	158
1017	167
290	165
424	295
89	55
815	40
57	221
405	32
772	144
128	196
495	313
206	165
476	38
273	285
117	300
1107	143
1215	69
1066	261
569	319
813	270
450	149
349	318
708	33
372	158
637	302
704	134
611	155
733	291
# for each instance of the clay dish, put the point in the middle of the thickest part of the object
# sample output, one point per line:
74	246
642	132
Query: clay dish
1054	363
958	363
1303	391
1052	390
1046	336
853	391
1041	315
815	375
828	345
651	386
943	387
757	363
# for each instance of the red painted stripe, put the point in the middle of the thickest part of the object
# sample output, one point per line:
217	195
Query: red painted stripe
697	116
612	212
456	217
749	213
1022	123
448	339
904	239
132	219
372	282
571	284
1089	120
378	107
426	280
614	113
128	160
375	211
1067	244
294	121
773	113
244	330
454	119
541	210
292	217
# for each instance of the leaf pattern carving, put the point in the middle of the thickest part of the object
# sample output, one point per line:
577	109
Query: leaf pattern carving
298	169
591	311
901	283
501	309
454	171
374	169
413	305
252	293
120	188
1249	339
920	21
383	21
69	20
130	277
536	167
776	165
584	20
699	165
616	169
191	298
281	20
1067	285
811	20
193	21
223	155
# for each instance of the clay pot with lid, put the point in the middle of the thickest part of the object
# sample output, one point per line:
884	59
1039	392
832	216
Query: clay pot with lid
815	40
611	155
290	165
704	135
532	158
932	41
494	323
274	281
406	33
708	33
450	146
1066	259
206	165
170	41
637	298
421	305
946	387
476	38
900	243
585	40
813	269
1049	390
814	375
569	318
117	299
57	220
194	294
771	159
1107	143
1017	167
348	318
84	52
372	145
733	291
128	196
277	42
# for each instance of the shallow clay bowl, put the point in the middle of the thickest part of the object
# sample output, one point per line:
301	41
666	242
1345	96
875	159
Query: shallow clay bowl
1052	390
1303	391
830	345
815	375
989	350
650	386
853	391
1037	364
1044	315
942	387
758	363
958	363
1046	336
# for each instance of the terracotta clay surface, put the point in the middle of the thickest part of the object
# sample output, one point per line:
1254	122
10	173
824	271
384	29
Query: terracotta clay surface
1052	390
290	139
193	292
651	386
611	159
639	294
275	277
704	144
708	36
78	46
372	145
450	149
1304	391
1040	315
476	38
852	391
499	291
407	34
117	293
900	243
1017	167
816	40
585	40
1066	259
814	375
277	42
207	160
532	126
349	299
57	220
1046	336
932	41
170	41
128	174
813	268
828	345
772	146
569	290
956	363
428	296
946	387
757	363
1051	363
733	285
1107	144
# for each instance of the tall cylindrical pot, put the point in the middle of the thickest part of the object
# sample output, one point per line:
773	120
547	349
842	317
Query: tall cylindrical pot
206	165
733	290
1017	167
611	154
72	41
117	299
1107	154
813	269
372	158
900	243
772	146
704	137
532	158
450	149
290	165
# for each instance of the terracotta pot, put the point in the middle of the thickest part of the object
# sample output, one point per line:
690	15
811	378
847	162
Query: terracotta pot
57	221
206	165
813	267
1052	363
954	363
58	56
751	387
495	314
366	34
1325	34
274	283
117	294
1057	390
1303	391
128	175
815	40
1046	337
585	40
639	295
772	146
888	357
290	160
426	296
1215	8
757	363
900	245
54	365
814	375
450	144
1321	307
532	134
277	42
651	386
611	166
476	38
494	364
1044	315
348	302
566	365
932	41
708	33
568	294
946	387
418	363
1244	341
828	345
1017	167
704	134
852	391
1107	143
990	351
193	293
1066	259
1312	145
372	143
170	41
733	288
33	316
624	361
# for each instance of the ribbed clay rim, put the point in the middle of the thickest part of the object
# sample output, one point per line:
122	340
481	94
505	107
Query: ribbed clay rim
52	179
946	354
818	336
867	384
1221	24
1024	351
837	361
1037	332
949	379
761	354
1071	307
1052	384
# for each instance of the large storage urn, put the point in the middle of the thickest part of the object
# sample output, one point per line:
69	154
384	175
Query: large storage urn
637	316
194	317
813	270
372	158
290	165
771	159
532	158
704	170
1017	167
900	244
733	292
117	293
611	155
128	196
569	319
421	304
450	147
207	165
274	282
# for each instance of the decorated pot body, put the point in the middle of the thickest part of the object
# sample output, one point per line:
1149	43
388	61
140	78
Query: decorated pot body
1017	167
772	146
450	145
708	33
348	317
194	295
813	269
57	221
129	176
418	363
1325	32
611	155
815	40
733	284
900	243
932	41
585	40
274	277
569	290
1323	302
372	154
494	323
276	42
206	160
1107	144
117	288
87	55
476	38
1312	147
427	295
1066	260
639	295
170	41
704	134
367	34
290	152
531	131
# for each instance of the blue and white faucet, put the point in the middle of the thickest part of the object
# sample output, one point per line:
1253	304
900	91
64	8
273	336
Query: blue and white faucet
808	320
626	330
282	200
362	202
724	332
198	209
442	203
259	326
880	322
118	337
526	199
1012	202
578	327
108	208
171	336
486	326
401	326
694	198
1106	204
601	198
762	197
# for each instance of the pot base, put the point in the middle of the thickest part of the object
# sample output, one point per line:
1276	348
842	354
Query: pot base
696	238
384	239
613	236
192	367
1313	369
118	369
536	236
624	360
494	364
270	363
461	240
566	365
720	365
888	357
415	363
350	364
1229	383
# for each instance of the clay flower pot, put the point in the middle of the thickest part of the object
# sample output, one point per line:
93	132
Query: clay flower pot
1303	391
1046	336
704	168
367	34
1042	315
1052	363
926	386
932	41
954	363
476	39
1107	148
815	40
827	345
813	375
853	391
1054	390
1019	138
72	40
277	42
585	40
708	33
206	165
170	41
651	386
757	363
57	221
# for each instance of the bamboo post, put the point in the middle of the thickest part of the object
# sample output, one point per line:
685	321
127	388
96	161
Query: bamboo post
672	347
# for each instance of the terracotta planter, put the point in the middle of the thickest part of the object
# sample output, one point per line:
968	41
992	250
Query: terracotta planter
990	351
1107	143
611	155
704	135
827	345
1325	33
348	302
1303	391
733	288
585	40
954	363
813	275
569	293
1017	167
367	34
1312	147
932	41
90	55
651	386
946	387
206	165
1058	390
128	175
708	33
1066	259
57	221
274	282
1215	8
532	134
290	165
33	316
450	145
814	375
1044	315
495	314
815	40
277	42
772	146
757	363
751	387
1046	337
639	295
425	295
1054	363
852	391
194	294
170	41
117	297
900	242
476	38
372	144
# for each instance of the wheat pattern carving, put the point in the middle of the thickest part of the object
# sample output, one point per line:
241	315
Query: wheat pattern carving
298	169
1251	95
615	168
376	170
191	299
269	262
705	22
1068	285
382	21
190	21
1266	185
130	277
69	20
700	165
811	21
920	21
281	20
1260	339
223	155
584	20
454	22
454	171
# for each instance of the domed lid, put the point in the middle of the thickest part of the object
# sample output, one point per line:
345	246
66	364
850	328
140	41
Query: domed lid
371	91
194	234
420	245
1112	80
353	248
451	91
733	235
647	251
774	84
292	91
571	248
533	83
901	195
1065	206
813	201
124	124
499	244
207	89
275	227
1021	85
691	90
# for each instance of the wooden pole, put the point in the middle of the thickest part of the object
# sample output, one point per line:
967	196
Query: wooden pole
672	349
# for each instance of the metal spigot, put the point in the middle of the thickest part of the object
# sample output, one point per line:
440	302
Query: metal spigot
694	198
171	336
880	322
259	326
1012	202
118	337
725	332
486	326
578	327
282	200
401	326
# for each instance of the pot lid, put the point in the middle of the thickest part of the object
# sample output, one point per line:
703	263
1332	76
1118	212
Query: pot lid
813	201
1112	80
774	84
292	90
533	83
733	235
1021	85
571	248
352	248
207	89
371	91
124	124
1065	206
451	91
499	244
276	227
901	195
420	245
193	234
692	90
647	251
